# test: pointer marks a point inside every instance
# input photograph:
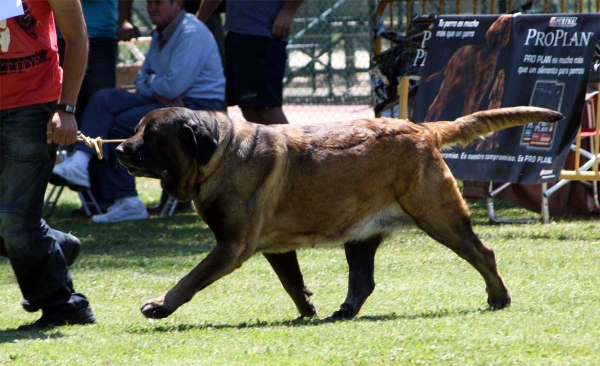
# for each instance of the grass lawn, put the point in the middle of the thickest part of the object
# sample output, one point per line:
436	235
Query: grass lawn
429	306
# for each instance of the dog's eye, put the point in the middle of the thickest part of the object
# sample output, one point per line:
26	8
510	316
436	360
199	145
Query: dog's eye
148	133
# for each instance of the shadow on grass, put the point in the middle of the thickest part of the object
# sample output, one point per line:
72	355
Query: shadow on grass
173	236
174	328
13	335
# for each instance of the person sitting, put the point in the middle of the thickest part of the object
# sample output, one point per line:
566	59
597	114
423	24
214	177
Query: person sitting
182	68
107	23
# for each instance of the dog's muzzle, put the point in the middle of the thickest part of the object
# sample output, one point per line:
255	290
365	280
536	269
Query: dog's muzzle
134	163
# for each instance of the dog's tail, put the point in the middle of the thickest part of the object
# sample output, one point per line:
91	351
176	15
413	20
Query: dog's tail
479	124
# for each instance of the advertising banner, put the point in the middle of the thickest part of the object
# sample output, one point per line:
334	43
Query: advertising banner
479	62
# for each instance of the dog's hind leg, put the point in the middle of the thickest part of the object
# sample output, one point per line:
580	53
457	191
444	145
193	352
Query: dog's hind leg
361	260
467	245
446	219
287	268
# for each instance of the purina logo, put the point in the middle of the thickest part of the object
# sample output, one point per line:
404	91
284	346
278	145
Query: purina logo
545	172
563	21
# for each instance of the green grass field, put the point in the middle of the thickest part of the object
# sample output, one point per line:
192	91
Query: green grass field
429	306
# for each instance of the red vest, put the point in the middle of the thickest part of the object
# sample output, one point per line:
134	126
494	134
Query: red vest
29	69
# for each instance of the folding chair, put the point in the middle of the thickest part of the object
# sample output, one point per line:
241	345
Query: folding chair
86	197
588	171
88	201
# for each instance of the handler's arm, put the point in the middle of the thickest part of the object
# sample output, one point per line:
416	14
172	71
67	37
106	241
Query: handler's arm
69	18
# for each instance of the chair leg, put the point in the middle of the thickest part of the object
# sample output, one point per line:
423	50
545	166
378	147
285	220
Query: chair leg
87	200
52	199
169	207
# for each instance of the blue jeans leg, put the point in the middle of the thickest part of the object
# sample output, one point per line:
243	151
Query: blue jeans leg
26	162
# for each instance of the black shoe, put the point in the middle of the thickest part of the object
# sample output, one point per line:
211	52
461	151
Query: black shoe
70	246
54	318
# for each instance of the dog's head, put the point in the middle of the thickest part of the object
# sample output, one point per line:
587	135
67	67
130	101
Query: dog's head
499	32
170	141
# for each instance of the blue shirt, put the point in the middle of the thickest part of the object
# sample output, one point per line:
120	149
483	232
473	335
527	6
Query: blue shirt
188	64
101	18
252	17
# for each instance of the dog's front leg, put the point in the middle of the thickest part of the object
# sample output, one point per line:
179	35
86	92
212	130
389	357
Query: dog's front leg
287	268
222	260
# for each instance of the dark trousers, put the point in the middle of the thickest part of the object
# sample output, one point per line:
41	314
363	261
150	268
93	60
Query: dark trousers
33	248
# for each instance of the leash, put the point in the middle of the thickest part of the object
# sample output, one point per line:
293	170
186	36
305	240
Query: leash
95	143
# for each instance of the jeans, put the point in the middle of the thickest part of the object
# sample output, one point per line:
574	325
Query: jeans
114	114
26	161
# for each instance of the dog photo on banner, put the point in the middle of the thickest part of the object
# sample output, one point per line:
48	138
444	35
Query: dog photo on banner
479	62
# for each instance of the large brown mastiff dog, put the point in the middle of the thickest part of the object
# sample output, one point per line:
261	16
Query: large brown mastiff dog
277	189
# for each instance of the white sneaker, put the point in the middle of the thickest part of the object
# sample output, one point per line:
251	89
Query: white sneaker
72	174
124	209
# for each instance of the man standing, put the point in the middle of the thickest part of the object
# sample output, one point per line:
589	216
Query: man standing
255	54
37	105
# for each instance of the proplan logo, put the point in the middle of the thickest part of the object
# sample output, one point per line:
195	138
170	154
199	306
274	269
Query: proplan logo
563	22
547	174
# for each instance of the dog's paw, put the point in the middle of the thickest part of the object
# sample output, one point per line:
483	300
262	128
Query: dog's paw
346	312
311	313
154	309
500	302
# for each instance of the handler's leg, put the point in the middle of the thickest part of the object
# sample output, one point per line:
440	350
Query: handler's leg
36	257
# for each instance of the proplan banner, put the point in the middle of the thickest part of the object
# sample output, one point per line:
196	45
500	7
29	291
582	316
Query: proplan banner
483	62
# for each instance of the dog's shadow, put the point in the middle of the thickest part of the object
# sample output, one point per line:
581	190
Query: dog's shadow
300	322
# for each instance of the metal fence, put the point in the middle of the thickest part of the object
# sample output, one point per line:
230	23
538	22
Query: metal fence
329	53
332	44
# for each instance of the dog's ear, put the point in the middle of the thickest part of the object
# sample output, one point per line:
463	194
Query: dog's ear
202	143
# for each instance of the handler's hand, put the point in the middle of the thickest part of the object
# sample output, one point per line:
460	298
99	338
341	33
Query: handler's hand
61	129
